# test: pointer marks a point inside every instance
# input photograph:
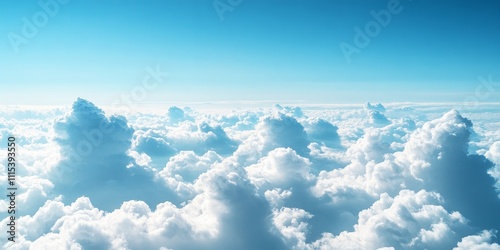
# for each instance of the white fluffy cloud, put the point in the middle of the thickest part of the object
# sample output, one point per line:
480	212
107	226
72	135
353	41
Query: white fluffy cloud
411	220
478	242
494	155
339	177
279	169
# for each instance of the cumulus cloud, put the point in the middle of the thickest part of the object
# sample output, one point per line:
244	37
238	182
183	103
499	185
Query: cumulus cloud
292	224
154	146
184	168
96	162
319	130
333	177
376	107
478	242
493	154
411	220
437	155
279	169
177	115
199	137
375	114
377	118
273	131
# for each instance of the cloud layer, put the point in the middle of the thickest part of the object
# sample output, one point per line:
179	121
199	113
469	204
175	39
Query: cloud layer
361	177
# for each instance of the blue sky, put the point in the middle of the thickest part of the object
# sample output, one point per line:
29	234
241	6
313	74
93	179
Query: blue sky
261	50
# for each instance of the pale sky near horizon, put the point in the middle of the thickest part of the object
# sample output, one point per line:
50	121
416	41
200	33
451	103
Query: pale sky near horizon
260	50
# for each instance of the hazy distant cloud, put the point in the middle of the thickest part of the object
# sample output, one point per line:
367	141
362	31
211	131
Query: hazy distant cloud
199	137
177	115
290	111
377	118
375	107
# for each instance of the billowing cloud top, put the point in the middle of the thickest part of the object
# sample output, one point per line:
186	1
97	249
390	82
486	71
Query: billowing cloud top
357	177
